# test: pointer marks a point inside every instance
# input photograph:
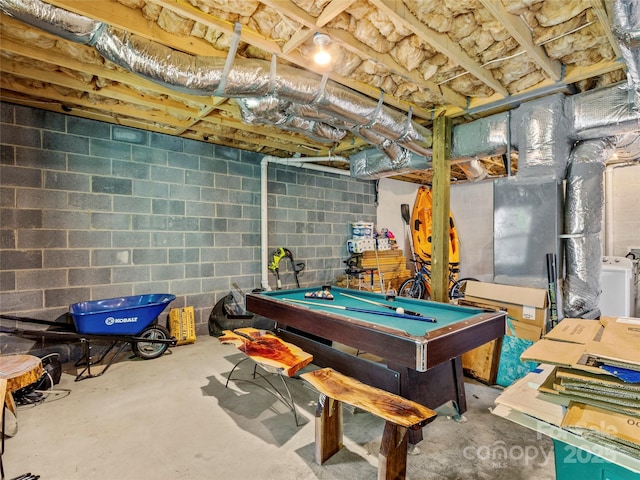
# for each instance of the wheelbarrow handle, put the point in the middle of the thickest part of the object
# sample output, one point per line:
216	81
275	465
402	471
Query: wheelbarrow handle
66	326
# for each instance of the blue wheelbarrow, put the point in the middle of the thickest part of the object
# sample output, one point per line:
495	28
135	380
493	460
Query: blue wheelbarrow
120	321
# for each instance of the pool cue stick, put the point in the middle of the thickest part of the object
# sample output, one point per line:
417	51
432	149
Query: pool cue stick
380	304
364	310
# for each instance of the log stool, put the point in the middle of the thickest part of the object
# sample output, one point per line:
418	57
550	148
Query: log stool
399	413
270	353
16	372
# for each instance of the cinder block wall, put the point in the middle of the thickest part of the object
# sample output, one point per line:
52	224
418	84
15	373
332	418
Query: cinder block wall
92	210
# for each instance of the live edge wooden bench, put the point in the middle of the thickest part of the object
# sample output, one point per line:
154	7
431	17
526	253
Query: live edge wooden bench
399	413
272	354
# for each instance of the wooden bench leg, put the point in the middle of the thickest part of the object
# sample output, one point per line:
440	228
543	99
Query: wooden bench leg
328	428
393	453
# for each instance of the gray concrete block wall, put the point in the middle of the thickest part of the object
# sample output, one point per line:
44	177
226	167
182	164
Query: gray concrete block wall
91	210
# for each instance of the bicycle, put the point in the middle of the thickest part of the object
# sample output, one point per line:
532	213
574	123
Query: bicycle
419	286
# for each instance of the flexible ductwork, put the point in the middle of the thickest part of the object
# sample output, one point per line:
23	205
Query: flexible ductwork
626	28
372	164
541	134
627	147
583	220
602	113
297	99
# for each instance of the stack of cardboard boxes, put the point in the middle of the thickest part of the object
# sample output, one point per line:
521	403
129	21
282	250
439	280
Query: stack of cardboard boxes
585	395
527	309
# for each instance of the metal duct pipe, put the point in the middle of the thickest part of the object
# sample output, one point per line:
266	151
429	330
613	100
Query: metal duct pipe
541	131
54	20
339	107
371	164
602	113
583	221
626	28
628	147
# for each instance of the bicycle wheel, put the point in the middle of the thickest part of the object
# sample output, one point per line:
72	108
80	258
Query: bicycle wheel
412	288
457	289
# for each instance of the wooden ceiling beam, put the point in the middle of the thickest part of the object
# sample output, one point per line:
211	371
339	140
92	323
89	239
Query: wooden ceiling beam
605	22
253	38
52	94
332	10
115	92
57	58
347	41
398	11
131	20
249	36
520	31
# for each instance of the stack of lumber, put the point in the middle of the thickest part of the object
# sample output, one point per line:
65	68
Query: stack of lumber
392	265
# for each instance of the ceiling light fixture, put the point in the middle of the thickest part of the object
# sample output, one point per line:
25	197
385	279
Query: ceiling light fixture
321	56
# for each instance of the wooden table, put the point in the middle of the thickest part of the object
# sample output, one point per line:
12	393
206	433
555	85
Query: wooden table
18	371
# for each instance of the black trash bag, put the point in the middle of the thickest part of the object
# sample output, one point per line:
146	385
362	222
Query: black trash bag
228	314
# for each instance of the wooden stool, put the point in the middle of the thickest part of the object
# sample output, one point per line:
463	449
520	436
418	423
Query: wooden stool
399	413
16	372
19	371
270	353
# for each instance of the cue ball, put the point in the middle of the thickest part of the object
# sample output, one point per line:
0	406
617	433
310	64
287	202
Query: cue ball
400	310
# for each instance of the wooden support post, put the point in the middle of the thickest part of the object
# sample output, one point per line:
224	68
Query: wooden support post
328	429
441	207
393	452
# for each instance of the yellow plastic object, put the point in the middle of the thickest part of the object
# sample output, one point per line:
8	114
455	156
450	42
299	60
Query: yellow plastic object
182	325
422	227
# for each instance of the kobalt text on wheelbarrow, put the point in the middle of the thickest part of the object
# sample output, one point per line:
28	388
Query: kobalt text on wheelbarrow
124	320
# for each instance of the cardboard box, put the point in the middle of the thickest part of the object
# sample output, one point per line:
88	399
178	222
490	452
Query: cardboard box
481	363
586	344
524	304
602	423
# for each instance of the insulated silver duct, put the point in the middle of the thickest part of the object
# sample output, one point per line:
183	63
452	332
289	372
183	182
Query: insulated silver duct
626	28
628	147
540	131
604	112
371	164
52	19
333	105
583	220
486	137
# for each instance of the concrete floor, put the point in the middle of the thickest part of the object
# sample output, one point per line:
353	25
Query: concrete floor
173	418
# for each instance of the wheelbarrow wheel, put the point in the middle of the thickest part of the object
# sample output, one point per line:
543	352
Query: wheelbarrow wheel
150	350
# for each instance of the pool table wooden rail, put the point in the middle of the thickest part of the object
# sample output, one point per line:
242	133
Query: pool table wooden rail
438	345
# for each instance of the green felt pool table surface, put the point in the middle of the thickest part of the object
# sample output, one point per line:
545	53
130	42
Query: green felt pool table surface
444	315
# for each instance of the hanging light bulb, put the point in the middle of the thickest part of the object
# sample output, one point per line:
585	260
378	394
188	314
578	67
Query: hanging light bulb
321	56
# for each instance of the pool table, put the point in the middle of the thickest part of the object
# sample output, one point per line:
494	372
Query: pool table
421	359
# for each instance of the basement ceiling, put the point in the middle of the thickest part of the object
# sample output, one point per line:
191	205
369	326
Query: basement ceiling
422	58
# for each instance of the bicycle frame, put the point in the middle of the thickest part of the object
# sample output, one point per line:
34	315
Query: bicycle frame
419	286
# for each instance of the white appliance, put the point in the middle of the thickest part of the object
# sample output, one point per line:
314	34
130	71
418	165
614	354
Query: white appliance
616	281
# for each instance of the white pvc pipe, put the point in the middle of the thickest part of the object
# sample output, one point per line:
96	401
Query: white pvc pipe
264	210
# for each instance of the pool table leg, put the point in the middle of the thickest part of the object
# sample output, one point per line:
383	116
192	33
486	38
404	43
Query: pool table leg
433	388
